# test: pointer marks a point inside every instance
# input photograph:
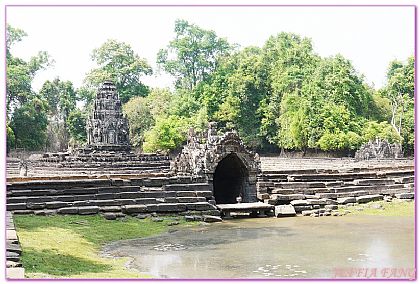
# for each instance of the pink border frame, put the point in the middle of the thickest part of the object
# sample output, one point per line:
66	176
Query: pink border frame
228	6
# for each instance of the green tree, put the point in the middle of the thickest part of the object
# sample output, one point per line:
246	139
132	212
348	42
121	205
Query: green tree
29	124
61	98
168	134
289	61
10	137
119	63
238	86
192	55
140	119
400	92
19	72
76	124
382	130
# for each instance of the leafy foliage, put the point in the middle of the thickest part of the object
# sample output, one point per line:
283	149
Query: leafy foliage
76	123
278	96
192	55
29	124
119	63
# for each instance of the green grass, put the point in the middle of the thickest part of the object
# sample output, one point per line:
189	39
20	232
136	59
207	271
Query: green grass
68	246
388	209
55	263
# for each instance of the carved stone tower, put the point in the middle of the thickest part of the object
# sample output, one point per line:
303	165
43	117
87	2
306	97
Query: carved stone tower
107	128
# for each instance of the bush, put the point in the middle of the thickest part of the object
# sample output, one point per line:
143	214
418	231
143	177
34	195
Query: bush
167	134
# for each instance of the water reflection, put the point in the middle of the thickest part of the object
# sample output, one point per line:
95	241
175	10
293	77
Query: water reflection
299	247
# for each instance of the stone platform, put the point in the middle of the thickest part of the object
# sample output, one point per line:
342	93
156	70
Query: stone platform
120	196
14	269
254	208
314	184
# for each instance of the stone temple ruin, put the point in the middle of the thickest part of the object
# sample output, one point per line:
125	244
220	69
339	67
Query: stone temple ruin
107	128
225	163
211	176
379	149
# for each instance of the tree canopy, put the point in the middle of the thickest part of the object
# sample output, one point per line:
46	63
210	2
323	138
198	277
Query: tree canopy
119	63
280	96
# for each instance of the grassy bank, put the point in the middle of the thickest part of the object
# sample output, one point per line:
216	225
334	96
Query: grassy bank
68	246
382	208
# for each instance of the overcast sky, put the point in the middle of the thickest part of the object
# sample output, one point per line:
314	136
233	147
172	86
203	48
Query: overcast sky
369	36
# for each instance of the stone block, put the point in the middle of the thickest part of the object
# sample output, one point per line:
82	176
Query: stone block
15	273
23	212
105	196
134	209
84	197
145	201
106	202
300	208
14	248
200	206
307	212
284	211
45	212
288	197
170	193
408	195
109	216
331	206
151	208
369	198
110	209
68	210
16	206
167	207
171	199
299	202
128	201
186	194
20	199
327	195
187	199
345	200
131	195
190	206
320	201
88	210
211	219
331	202
56	204
65	198
283	191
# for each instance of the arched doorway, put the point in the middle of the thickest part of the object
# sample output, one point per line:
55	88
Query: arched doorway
230	180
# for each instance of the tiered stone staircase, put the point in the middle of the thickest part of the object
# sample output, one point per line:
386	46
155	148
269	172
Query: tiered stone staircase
53	167
113	197
309	189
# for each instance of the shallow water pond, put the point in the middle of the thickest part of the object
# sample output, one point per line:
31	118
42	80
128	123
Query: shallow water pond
299	247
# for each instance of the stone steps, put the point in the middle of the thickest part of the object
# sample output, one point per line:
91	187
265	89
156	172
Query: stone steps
90	196
331	185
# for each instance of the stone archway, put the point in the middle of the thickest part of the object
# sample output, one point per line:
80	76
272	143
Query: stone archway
230	180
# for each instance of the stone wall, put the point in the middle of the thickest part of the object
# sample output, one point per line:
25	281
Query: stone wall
112	196
202	159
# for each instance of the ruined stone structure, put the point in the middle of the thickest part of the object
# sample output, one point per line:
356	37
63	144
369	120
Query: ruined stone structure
224	162
379	149
107	128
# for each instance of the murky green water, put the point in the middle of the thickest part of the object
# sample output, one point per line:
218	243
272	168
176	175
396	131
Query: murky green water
300	247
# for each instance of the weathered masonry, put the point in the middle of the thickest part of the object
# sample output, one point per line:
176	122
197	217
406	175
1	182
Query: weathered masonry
224	161
107	126
106	177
